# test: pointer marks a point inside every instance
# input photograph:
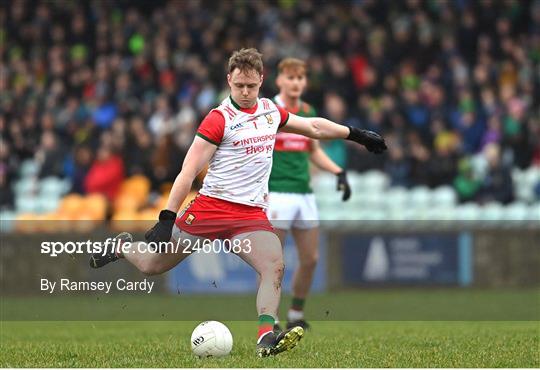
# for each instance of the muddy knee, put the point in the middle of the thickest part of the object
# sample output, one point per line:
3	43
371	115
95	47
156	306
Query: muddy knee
277	274
273	270
279	270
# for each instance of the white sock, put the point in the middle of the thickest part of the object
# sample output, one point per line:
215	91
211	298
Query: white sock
294	315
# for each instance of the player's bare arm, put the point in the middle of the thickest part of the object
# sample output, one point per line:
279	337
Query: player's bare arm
320	159
322	128
315	128
196	159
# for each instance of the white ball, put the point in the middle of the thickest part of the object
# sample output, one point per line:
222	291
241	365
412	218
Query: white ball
211	339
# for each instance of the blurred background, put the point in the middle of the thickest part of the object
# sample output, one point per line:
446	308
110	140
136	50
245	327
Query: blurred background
100	101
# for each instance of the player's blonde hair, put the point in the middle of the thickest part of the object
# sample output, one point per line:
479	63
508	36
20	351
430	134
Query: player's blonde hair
246	60
292	64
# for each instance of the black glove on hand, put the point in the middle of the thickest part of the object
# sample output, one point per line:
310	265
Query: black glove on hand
371	140
162	230
343	184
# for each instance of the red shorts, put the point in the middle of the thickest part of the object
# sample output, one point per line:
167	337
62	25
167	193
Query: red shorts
213	218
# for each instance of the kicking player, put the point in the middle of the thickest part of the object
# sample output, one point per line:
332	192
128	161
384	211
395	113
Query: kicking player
237	140
291	200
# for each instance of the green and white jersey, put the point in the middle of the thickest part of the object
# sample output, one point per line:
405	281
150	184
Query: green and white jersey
290	167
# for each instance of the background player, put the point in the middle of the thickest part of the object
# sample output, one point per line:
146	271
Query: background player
291	201
237	140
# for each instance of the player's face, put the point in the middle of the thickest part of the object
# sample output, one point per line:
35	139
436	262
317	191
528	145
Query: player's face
292	82
245	87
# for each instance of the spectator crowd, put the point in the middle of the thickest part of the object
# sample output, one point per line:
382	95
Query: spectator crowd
101	90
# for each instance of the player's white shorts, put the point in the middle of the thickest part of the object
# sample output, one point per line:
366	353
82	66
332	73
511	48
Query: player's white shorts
286	210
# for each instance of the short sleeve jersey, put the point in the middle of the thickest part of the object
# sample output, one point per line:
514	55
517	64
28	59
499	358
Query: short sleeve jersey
290	168
240	168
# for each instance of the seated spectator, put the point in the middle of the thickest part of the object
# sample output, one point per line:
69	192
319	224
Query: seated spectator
398	166
420	156
442	164
105	113
162	120
106	173
141	152
7	174
79	168
50	155
515	133
497	186
6	192
493	133
465	183
166	160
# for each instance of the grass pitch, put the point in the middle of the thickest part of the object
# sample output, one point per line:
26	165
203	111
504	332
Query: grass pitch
434	328
329	344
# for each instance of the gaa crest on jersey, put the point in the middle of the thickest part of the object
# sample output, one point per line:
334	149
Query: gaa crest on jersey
189	219
269	118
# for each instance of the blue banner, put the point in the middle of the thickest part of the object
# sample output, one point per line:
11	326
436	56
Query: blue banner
407	259
228	273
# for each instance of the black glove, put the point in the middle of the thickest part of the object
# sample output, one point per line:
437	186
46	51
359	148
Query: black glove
371	140
162	230
343	184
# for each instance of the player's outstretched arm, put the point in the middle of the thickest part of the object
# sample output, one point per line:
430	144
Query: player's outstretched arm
321	128
196	159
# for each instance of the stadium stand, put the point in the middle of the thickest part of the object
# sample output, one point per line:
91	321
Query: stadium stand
101	100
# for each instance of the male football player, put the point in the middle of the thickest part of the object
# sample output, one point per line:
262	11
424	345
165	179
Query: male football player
237	140
291	201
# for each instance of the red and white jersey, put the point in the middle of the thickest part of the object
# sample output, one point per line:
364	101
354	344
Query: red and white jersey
239	169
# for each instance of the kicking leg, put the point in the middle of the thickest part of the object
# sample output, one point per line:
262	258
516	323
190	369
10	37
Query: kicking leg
157	263
141	256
